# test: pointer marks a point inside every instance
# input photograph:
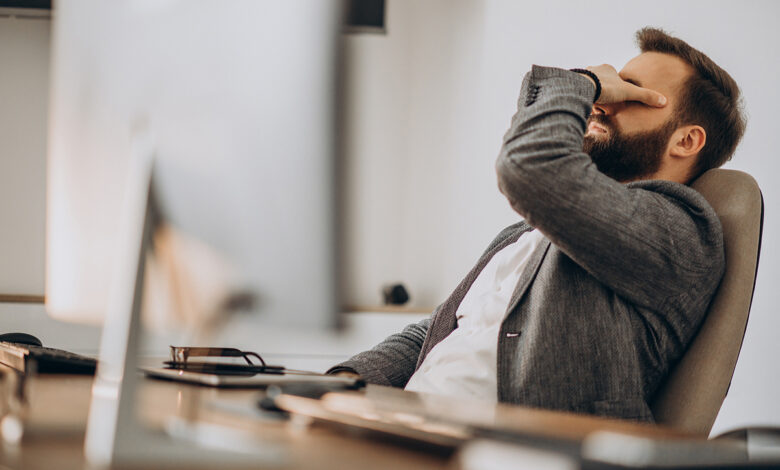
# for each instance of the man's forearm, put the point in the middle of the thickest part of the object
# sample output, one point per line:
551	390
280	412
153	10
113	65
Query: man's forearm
546	135
391	362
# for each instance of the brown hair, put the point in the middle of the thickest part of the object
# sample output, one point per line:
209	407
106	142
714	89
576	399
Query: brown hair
710	98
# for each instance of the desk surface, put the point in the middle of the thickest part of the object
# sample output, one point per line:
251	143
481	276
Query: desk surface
58	408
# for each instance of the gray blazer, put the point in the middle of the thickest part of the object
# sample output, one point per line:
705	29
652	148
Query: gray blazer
609	300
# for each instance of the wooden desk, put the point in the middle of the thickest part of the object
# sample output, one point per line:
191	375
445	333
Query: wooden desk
58	407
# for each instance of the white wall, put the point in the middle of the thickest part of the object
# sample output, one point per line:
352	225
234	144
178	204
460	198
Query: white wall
422	195
24	68
428	104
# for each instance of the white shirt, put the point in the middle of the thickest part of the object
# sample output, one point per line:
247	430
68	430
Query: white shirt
464	363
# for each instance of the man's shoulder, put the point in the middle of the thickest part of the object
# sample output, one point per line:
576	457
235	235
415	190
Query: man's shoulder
694	221
693	205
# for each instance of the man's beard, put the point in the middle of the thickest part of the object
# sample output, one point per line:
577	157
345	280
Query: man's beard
628	157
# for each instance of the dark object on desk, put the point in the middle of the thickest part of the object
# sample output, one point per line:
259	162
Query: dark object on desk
224	369
249	375
28	358
20	338
261	380
395	294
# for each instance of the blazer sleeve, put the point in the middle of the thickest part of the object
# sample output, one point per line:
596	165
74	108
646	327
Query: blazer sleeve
391	362
648	244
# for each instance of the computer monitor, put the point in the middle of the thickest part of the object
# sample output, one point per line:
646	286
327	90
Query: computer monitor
216	123
240	100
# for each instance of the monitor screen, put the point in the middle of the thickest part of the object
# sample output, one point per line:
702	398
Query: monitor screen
240	105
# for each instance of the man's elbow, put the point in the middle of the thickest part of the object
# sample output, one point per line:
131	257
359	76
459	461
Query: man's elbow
510	182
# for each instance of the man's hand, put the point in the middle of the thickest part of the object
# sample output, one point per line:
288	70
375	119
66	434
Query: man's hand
615	90
346	373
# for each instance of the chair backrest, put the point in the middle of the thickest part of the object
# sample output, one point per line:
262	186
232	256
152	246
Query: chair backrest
693	393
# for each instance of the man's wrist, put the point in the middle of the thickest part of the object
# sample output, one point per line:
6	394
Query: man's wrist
346	373
592	78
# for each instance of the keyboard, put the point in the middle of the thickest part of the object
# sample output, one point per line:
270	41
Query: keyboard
40	359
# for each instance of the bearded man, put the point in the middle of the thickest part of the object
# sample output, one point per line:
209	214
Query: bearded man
585	304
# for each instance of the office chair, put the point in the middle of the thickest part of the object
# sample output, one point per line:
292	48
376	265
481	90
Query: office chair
691	396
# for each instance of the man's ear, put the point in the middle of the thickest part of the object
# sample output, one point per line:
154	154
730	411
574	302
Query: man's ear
687	141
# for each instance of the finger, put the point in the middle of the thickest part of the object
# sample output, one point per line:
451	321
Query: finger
647	96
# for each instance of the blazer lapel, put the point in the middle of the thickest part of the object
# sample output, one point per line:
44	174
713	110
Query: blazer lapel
527	276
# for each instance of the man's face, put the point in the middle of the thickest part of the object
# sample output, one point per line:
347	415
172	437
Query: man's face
628	140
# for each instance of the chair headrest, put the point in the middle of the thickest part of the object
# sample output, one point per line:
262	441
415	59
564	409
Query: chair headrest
696	386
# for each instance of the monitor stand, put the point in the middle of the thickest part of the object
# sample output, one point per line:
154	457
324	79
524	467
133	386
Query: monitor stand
114	433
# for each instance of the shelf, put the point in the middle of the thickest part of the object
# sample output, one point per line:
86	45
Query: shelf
22	299
387	309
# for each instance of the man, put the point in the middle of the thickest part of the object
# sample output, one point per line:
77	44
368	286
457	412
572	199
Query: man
586	304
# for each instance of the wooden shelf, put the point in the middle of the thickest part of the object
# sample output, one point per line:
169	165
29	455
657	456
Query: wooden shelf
387	309
21	299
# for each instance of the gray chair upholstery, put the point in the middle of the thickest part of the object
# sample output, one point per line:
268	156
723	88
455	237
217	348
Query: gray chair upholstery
693	393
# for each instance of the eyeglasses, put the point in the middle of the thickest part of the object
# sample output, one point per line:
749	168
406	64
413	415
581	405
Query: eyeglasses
180	356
